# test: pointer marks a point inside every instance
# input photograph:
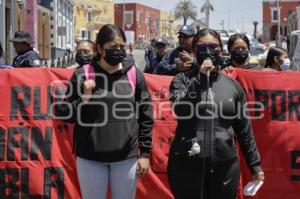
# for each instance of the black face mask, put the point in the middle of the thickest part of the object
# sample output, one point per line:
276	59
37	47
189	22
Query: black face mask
214	55
83	58
240	56
114	56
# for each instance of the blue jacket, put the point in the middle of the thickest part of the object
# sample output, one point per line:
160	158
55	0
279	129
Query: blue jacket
27	59
168	65
153	64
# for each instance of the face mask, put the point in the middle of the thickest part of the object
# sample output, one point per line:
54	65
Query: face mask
114	56
214	55
240	56
83	58
286	64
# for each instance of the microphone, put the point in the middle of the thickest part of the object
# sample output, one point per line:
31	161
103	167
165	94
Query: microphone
207	64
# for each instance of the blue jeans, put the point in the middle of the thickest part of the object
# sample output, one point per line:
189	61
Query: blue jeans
94	178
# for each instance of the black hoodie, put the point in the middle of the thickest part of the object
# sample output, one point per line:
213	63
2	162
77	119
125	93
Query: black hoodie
119	138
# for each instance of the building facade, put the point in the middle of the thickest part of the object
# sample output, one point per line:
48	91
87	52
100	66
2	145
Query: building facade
61	26
168	27
141	20
13	17
90	16
43	29
271	16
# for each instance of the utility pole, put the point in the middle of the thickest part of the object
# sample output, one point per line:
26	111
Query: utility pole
228	20
278	27
124	15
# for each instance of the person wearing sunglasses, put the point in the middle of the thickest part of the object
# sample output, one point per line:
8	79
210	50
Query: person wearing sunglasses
180	59
203	161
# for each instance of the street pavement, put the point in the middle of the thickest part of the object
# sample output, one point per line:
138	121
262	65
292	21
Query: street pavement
139	55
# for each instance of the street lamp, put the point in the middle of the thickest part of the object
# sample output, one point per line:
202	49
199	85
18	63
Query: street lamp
278	26
255	23
222	23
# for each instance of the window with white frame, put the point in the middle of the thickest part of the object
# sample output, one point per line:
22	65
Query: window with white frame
275	13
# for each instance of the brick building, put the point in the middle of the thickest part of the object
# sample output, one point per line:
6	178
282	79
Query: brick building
144	21
271	16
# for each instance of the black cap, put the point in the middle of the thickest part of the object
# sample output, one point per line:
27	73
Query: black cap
162	41
187	30
22	36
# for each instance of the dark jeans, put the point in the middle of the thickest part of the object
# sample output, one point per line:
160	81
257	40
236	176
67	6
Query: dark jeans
188	179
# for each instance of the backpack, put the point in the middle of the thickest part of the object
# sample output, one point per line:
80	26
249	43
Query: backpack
89	73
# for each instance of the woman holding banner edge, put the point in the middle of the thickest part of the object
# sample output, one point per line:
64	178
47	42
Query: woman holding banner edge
203	161
112	147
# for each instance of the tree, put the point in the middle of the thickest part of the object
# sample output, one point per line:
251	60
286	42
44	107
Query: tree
207	7
186	10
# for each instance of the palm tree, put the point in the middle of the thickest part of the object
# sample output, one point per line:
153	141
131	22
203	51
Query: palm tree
185	9
207	7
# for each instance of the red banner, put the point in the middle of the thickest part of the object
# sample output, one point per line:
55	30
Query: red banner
36	158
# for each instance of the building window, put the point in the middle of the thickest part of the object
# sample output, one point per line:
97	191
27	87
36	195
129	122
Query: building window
89	16
275	13
83	34
89	35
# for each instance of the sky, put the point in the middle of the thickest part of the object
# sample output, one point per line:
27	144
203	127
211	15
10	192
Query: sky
242	13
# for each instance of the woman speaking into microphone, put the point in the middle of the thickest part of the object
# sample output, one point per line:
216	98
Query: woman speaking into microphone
211	115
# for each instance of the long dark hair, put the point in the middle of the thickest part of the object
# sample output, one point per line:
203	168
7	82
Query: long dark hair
204	32
234	37
273	52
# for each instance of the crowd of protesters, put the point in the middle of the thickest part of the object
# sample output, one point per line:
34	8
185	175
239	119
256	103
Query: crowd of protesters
200	161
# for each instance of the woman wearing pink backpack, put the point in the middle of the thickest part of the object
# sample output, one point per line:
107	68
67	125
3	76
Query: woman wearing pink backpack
112	109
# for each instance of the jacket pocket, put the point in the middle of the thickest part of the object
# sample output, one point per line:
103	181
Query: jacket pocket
115	136
225	146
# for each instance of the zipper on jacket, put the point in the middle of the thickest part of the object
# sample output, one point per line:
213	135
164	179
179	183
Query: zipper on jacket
212	125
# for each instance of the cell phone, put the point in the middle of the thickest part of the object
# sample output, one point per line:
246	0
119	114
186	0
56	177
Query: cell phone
180	49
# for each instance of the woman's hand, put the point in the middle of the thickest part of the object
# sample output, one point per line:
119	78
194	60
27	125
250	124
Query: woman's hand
88	87
260	176
143	166
206	66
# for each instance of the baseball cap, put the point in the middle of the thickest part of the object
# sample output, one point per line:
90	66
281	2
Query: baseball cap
187	30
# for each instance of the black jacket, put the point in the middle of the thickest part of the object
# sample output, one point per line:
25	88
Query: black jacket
127	131
216	135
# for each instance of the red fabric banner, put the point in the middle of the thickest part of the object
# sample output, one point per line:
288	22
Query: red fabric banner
36	158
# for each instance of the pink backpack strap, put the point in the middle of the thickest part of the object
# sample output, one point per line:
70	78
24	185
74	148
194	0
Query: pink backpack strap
89	72
131	75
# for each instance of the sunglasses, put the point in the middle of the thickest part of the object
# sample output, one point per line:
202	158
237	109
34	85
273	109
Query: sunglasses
204	47
184	36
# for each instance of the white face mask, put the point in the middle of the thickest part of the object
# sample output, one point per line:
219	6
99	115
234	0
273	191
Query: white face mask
285	65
